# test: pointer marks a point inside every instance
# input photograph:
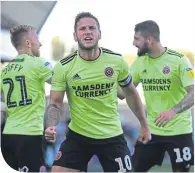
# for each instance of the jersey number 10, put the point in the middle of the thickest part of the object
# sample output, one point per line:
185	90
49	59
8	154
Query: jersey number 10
23	91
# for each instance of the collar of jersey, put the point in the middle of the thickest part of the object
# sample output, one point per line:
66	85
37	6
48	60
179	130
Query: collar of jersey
91	61
157	58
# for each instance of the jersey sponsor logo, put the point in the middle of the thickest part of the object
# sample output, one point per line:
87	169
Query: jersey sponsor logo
48	64
76	76
109	72
190	72
188	69
93	90
58	155
166	70
156	84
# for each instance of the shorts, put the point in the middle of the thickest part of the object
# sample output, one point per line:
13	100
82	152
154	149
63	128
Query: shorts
23	153
77	150
179	147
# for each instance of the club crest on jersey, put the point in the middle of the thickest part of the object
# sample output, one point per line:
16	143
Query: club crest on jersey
58	155
109	72
166	70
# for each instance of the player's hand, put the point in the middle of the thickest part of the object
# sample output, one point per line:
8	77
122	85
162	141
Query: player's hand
145	135
50	134
164	117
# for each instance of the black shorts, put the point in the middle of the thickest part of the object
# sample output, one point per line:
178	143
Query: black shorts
22	152
179	147
76	151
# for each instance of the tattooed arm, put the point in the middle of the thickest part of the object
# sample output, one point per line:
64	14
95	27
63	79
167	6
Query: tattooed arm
53	110
187	102
53	114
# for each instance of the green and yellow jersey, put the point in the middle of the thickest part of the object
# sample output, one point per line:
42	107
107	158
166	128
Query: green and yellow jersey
164	80
91	88
23	84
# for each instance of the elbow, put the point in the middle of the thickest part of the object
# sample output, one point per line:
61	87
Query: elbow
56	102
121	97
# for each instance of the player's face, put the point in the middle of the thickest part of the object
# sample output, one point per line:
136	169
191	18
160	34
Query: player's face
35	43
141	43
87	33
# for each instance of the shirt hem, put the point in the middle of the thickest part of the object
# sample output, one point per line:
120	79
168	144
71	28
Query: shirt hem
95	136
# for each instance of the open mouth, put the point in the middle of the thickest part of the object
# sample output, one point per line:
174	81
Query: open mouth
88	39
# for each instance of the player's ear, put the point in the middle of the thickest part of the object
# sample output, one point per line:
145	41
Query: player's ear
150	39
75	36
28	43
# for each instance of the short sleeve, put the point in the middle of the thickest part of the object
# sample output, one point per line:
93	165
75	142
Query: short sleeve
186	72
134	71
58	78
124	78
45	69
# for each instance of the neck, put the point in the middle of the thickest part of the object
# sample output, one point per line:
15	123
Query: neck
156	51
90	55
24	51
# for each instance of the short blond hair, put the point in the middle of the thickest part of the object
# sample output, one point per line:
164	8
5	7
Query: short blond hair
17	33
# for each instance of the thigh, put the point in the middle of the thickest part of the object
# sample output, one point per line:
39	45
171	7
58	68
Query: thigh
181	151
73	154
30	153
147	156
8	151
114	155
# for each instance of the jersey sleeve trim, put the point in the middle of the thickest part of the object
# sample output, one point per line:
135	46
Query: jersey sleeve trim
125	82
69	58
47	76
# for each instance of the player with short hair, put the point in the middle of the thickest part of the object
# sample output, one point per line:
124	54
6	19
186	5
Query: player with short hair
23	84
168	83
91	76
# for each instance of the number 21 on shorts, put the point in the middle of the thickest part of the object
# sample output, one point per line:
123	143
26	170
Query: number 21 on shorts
183	154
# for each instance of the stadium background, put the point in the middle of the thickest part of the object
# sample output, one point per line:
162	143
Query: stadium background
41	14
